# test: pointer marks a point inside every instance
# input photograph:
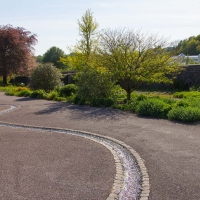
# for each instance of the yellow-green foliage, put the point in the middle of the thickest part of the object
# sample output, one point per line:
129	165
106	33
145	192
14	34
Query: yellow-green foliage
83	53
153	107
134	58
157	94
195	94
76	61
52	95
185	114
18	89
6	88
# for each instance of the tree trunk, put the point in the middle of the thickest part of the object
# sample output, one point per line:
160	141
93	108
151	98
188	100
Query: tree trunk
126	85
128	95
4	72
128	90
4	80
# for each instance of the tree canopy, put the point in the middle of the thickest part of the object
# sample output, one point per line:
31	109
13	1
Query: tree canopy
53	55
83	52
16	51
130	57
135	57
46	77
88	31
189	46
39	59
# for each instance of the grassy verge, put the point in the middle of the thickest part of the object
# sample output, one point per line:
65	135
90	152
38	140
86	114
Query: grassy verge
179	106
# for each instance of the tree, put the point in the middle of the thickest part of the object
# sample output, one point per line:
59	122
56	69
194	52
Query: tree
45	77
39	59
190	46
16	51
134	58
83	52
93	85
88	31
53	55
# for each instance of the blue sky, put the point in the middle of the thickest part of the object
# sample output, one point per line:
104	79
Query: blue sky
55	21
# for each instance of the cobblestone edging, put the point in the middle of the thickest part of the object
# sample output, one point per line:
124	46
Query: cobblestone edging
12	107
122	153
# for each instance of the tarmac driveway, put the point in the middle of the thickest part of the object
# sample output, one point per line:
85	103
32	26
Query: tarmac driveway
171	150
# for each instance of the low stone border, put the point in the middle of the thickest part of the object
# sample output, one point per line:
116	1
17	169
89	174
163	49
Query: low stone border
119	181
12	108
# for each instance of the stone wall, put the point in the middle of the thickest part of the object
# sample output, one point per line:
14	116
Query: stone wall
190	76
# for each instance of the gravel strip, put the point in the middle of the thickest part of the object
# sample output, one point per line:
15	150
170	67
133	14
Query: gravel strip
12	108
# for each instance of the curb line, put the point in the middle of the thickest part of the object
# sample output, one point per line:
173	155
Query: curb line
119	177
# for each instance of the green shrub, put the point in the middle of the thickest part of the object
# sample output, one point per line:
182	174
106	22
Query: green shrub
24	93
94	85
40	94
169	101
67	90
141	97
185	114
78	100
70	98
102	102
188	102
182	103
178	95
59	99
45	77
8	88
194	102
195	88
118	93
52	95
153	107
10	93
129	106
117	106
18	89
194	94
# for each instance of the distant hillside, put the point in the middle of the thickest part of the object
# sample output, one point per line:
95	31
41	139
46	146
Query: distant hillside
190	46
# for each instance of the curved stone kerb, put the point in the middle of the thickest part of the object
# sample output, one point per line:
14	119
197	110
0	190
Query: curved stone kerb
119	181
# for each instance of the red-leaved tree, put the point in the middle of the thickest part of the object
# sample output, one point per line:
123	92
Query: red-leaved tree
16	51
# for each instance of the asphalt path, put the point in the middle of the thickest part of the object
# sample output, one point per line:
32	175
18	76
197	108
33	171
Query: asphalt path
171	151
